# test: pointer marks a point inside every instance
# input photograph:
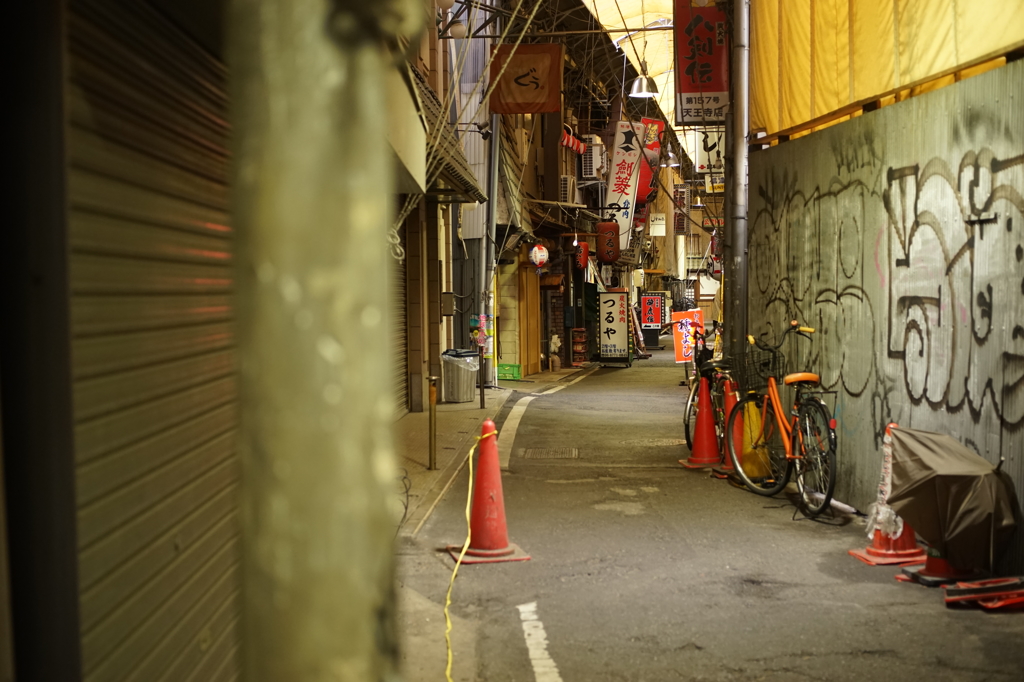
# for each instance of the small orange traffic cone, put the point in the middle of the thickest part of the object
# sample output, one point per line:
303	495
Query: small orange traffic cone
705	451
488	533
737	430
887	551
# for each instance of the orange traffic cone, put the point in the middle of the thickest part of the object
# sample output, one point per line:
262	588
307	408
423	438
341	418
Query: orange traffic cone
488	541
737	430
887	551
705	451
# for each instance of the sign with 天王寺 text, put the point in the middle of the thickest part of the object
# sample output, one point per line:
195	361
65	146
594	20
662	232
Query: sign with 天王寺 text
702	62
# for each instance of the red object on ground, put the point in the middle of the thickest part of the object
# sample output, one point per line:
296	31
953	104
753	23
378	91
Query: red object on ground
737	430
886	551
705	451
936	571
488	532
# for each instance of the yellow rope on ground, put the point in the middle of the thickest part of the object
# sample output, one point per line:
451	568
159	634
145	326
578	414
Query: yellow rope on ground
458	562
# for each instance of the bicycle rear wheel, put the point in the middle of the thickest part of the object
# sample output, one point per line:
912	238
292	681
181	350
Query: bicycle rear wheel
816	470
761	464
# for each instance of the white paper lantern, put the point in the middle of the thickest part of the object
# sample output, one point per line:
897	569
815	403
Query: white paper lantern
538	255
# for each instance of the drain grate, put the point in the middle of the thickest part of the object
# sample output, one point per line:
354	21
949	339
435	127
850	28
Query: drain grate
548	453
655	442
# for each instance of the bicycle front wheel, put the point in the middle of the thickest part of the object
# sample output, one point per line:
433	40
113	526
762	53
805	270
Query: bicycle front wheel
760	455
690	414
816	468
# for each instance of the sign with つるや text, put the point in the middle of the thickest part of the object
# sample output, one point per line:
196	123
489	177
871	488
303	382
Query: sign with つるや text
613	313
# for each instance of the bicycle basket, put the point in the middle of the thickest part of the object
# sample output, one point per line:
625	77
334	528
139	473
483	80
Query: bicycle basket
757	366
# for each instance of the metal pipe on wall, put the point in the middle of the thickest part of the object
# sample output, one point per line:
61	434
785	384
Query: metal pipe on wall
736	242
487	250
312	202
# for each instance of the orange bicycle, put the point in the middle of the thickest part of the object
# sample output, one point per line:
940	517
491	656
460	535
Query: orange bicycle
772	447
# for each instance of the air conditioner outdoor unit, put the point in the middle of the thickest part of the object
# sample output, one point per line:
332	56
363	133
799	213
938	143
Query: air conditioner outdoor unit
593	158
567	189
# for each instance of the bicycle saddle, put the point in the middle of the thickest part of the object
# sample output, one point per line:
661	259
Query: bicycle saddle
801	378
711	366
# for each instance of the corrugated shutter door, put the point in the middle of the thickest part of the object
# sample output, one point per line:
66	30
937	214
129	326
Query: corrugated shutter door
400	330
154	359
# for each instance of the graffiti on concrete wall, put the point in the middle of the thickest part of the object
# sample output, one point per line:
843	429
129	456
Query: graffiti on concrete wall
913	274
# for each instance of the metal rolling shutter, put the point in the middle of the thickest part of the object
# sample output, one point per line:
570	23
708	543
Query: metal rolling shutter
400	333
153	349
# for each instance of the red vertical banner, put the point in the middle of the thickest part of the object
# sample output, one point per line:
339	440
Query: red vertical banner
683	326
652	308
702	62
653	128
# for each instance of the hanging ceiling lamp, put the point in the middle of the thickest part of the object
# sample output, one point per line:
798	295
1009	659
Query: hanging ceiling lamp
670	161
643	85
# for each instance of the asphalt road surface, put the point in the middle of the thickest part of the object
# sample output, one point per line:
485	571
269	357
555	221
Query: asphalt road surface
643	570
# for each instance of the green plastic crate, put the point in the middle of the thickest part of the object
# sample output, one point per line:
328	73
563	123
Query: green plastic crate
509	372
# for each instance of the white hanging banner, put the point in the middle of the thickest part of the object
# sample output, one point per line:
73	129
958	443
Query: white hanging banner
624	177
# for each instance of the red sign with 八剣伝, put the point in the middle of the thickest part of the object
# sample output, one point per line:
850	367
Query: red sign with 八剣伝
624	177
702	62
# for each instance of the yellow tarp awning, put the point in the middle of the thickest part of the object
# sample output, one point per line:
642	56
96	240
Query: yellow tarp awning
812	57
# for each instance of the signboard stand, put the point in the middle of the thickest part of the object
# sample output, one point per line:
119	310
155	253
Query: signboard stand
614	329
652	316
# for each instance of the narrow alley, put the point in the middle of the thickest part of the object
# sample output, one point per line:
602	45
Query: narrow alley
644	570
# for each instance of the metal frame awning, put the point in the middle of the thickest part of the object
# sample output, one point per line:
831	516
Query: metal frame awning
448	171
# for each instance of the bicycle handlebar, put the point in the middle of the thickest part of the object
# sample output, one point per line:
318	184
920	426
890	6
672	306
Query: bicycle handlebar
794	326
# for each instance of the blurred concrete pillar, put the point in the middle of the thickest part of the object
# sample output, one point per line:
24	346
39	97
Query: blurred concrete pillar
312	203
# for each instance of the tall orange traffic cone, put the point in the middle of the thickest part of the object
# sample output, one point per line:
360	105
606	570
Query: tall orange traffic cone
488	541
705	451
730	389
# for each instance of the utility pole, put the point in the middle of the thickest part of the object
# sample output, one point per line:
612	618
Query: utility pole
313	197
737	226
487	250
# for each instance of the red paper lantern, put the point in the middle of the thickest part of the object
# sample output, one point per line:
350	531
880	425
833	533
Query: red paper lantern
582	255
607	242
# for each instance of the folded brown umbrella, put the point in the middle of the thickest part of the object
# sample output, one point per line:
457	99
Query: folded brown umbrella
959	503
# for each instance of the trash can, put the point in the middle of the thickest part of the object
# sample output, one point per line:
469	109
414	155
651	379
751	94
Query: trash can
461	368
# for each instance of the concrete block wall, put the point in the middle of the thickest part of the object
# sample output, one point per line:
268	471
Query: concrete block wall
899	235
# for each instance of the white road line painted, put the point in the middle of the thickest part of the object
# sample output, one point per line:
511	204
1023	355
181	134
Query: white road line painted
507	433
544	669
558	388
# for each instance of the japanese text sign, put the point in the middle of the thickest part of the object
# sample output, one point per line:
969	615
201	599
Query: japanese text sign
532	81
624	176
613	311
683	326
702	62
653	129
652	308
